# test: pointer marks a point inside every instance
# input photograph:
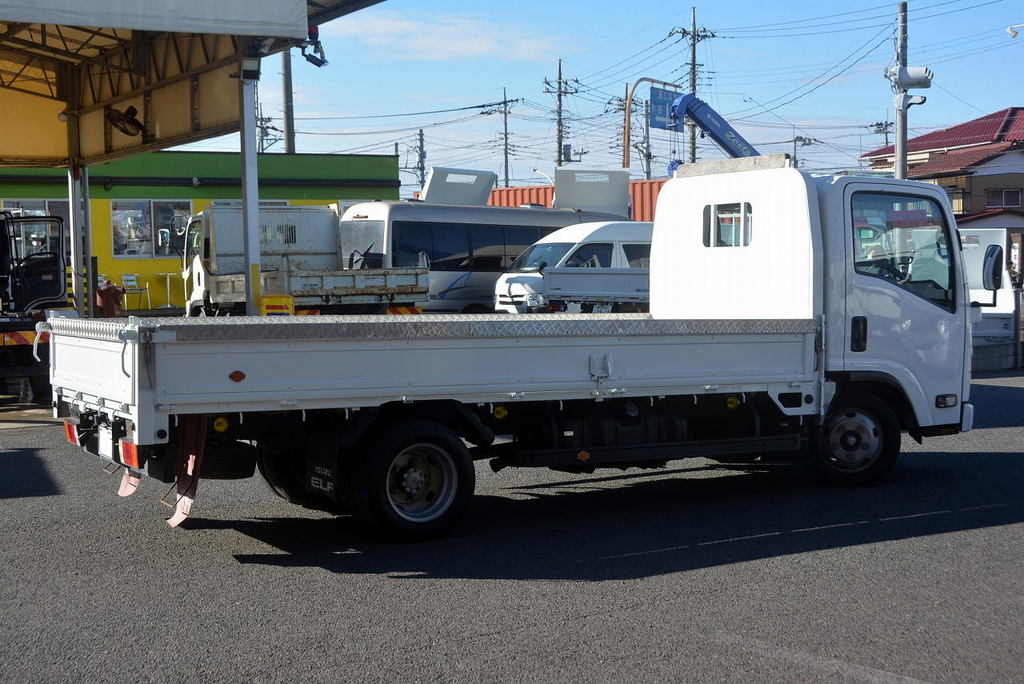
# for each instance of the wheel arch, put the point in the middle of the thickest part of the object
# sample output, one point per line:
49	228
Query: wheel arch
885	387
456	416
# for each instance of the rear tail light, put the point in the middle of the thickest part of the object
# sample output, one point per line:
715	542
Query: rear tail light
129	454
71	432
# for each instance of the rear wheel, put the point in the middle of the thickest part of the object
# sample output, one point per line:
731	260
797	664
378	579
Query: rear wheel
860	440
413	481
280	471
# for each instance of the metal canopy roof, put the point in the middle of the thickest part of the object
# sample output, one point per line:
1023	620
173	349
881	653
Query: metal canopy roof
66	86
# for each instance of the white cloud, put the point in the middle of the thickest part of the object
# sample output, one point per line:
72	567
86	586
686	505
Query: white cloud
431	37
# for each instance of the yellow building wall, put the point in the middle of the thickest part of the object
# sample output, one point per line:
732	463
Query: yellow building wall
150	271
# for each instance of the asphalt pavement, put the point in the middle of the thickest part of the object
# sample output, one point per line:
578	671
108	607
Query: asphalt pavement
687	573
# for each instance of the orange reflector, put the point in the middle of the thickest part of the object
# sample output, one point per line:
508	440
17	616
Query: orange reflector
236	376
71	432
129	454
583	456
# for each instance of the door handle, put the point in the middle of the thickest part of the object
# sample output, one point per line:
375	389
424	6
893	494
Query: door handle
859	333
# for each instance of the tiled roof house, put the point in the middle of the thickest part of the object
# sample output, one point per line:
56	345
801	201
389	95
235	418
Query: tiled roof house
979	162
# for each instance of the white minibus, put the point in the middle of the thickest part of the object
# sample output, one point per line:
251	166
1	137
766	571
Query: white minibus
466	247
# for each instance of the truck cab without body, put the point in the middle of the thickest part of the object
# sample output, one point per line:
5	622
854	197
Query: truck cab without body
773	340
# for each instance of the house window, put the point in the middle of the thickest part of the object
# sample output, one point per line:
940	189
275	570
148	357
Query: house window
148	228
1009	197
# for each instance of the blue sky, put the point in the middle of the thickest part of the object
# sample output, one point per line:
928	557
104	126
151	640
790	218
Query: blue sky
775	70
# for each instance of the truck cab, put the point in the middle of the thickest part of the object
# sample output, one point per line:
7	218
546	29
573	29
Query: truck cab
32	278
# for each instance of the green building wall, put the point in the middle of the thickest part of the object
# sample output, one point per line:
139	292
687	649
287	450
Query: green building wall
200	178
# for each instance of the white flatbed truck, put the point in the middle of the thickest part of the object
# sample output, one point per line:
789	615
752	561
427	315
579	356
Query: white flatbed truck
383	416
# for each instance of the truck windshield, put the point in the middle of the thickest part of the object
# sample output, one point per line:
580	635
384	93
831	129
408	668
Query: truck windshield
361	243
547	253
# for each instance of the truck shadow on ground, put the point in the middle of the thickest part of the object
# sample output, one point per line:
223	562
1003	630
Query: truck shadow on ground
1002	406
639	526
25	475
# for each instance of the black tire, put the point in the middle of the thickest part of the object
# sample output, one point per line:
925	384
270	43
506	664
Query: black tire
42	392
279	470
860	440
412	481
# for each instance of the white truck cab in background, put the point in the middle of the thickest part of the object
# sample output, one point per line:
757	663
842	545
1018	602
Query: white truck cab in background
590	268
994	333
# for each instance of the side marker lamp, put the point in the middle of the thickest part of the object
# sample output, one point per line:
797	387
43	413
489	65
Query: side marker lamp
71	433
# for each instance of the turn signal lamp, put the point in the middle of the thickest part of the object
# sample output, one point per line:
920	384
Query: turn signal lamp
236	376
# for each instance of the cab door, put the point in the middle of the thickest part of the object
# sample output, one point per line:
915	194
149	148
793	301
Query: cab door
37	263
906	299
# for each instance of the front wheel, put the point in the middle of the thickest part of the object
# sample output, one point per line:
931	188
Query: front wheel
860	440
413	481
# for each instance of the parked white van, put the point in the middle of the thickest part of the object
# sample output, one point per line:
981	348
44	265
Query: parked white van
595	267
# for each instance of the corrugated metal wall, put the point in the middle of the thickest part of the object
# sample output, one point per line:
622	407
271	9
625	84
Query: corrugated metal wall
642	193
514	197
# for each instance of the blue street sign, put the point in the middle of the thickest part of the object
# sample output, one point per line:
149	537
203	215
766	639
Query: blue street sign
661	102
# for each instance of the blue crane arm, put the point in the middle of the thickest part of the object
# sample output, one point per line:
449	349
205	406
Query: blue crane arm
709	121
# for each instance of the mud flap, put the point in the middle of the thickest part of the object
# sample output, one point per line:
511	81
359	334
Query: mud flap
190	463
130	481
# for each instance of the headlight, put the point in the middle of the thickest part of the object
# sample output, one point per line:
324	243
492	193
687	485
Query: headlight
533	299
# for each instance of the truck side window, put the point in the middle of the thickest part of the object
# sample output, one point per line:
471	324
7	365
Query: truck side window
193	241
728	225
905	240
638	256
591	255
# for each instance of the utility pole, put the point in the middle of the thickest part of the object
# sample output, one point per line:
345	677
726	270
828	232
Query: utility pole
560	89
421	161
646	152
504	112
900	168
883	128
289	103
695	35
266	131
903	78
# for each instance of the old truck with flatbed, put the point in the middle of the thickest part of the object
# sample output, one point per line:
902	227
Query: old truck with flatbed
301	256
780	341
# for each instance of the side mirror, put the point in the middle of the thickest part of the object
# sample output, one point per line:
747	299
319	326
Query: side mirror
541	267
992	275
992	272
